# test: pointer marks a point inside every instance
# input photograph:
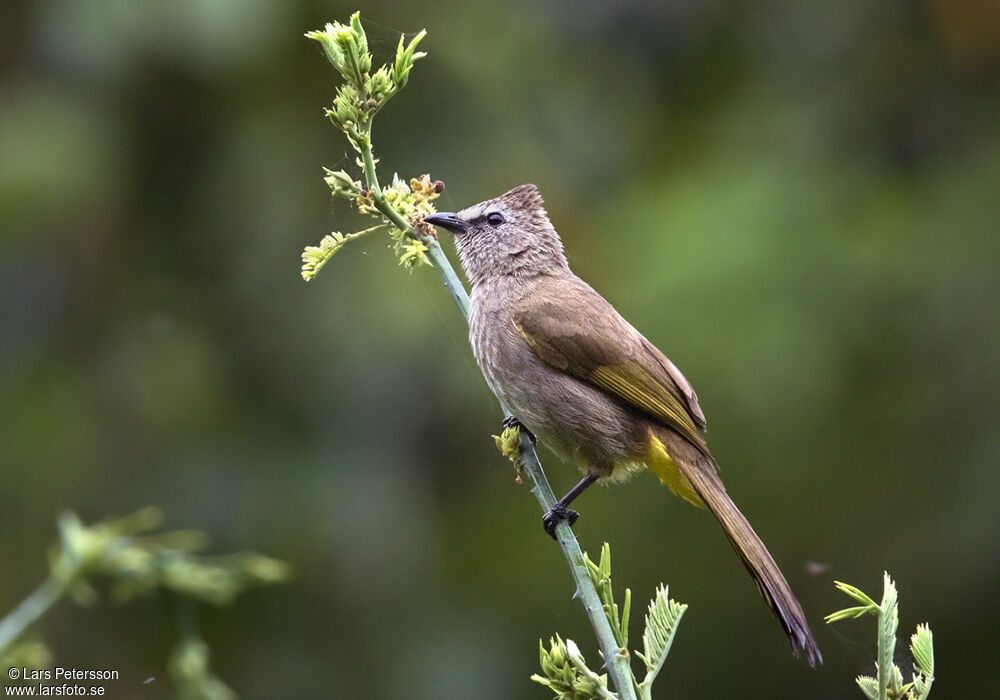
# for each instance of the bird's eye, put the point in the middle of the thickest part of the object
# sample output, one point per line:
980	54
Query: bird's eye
495	218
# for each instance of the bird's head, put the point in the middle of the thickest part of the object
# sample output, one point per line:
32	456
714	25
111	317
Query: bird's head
507	235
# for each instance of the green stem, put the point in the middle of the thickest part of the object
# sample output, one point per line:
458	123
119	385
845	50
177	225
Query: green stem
887	623
371	178
576	659
451	280
884	662
30	609
365	232
616	658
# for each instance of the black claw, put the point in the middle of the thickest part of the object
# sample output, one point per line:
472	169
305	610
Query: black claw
555	515
512	422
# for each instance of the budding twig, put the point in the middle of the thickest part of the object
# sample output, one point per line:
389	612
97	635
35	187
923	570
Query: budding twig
354	109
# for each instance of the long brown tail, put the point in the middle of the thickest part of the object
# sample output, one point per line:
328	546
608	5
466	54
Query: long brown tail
700	471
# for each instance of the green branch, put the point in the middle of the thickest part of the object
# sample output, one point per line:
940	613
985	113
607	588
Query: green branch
888	683
565	671
134	562
29	611
346	47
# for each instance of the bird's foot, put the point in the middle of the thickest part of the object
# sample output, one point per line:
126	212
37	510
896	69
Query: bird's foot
512	422
555	515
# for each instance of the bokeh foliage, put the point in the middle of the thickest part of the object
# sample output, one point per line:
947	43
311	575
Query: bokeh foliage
797	202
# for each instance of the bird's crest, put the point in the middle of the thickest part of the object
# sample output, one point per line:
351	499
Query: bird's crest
526	195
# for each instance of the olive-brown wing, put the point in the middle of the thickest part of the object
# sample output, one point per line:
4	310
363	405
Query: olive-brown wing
581	334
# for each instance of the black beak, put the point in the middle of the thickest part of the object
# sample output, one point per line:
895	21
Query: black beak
447	220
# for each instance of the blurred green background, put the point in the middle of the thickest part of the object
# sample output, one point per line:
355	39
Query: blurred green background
798	202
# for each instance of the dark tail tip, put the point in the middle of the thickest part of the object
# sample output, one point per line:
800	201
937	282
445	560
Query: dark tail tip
789	614
804	642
